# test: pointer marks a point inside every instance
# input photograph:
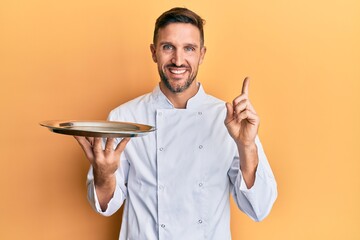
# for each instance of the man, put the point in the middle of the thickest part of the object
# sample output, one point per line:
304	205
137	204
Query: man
176	182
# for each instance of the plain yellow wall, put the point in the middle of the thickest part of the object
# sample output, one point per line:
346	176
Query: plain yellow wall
79	59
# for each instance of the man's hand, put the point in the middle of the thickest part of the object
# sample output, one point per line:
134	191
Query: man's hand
105	163
242	123
241	119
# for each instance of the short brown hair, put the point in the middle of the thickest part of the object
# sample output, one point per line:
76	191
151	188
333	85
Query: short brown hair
179	15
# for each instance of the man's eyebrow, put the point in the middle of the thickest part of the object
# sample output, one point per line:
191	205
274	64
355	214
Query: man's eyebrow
194	45
186	44
165	43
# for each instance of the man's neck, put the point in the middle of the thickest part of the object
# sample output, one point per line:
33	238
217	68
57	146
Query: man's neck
179	100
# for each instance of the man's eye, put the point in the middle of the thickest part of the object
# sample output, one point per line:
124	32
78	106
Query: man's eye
168	47
189	49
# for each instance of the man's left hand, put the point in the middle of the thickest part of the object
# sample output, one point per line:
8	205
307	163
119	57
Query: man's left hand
241	119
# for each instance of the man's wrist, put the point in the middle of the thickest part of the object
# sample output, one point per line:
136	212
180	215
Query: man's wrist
249	149
104	182
248	158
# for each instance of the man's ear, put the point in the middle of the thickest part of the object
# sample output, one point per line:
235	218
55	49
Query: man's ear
202	54
153	52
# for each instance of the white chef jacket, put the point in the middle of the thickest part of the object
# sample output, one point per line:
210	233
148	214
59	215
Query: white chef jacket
176	181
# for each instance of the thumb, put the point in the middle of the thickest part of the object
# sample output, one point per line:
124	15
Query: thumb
229	113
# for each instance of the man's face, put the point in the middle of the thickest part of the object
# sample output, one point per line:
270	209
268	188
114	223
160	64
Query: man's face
178	55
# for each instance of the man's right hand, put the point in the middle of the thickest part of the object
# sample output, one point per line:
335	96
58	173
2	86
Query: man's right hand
105	162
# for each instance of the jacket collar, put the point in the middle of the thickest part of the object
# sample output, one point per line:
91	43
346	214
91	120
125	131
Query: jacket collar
161	101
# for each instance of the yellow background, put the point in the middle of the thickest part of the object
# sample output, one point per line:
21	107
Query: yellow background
79	59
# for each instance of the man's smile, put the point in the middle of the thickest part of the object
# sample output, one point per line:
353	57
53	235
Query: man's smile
177	70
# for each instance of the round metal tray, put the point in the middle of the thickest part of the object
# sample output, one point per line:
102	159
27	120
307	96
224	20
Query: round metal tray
104	129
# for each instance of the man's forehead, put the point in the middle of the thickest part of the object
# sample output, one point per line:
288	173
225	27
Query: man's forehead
179	31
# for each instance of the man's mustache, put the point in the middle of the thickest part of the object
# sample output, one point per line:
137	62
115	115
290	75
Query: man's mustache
175	66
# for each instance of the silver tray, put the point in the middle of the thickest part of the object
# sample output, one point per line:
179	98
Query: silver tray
104	129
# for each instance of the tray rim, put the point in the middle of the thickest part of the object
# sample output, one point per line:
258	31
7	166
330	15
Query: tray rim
54	126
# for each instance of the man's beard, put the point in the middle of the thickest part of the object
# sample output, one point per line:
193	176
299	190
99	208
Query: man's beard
177	88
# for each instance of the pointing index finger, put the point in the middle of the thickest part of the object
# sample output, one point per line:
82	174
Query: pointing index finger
245	86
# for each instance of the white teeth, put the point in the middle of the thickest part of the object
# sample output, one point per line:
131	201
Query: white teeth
174	71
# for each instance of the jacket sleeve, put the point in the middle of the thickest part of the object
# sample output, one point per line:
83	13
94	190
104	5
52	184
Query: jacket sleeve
257	201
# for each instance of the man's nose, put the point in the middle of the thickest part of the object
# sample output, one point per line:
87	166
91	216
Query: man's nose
178	58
